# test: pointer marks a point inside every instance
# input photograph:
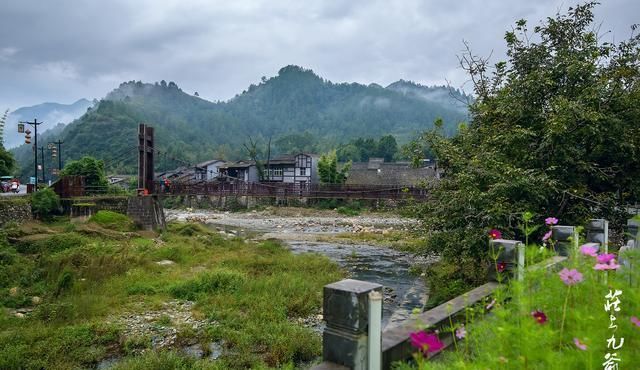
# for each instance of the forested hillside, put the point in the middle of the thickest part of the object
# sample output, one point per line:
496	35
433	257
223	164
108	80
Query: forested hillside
294	105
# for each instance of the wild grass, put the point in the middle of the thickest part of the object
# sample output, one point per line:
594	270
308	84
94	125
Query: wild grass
113	221
248	293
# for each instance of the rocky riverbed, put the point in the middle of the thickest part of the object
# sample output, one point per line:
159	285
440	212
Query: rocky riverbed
292	222
313	231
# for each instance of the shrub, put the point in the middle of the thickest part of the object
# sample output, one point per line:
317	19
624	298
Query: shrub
54	312
347	211
188	229
45	202
222	280
112	220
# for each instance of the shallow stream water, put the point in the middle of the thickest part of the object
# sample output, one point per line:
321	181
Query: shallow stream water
390	268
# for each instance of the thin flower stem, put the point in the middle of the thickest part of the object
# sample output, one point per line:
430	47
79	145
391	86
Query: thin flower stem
453	332
564	315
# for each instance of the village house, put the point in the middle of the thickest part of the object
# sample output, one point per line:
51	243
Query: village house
300	169
209	170
244	171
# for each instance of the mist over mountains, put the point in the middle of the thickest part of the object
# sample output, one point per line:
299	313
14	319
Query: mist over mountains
50	113
293	102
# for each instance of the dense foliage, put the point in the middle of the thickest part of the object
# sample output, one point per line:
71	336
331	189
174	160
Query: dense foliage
297	109
92	169
45	202
328	169
554	130
361	149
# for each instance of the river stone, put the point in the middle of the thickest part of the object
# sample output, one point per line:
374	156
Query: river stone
165	263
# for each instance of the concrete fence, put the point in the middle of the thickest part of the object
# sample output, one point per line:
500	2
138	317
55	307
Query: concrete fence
346	304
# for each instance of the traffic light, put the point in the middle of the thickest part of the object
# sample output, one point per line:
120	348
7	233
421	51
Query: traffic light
27	137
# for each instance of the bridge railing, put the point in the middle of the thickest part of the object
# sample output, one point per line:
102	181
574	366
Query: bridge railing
292	190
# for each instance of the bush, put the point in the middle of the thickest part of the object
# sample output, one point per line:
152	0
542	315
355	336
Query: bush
222	280
54	312
188	229
53	244
112	220
45	202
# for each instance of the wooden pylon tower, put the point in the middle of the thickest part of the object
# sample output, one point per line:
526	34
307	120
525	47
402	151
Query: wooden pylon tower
145	159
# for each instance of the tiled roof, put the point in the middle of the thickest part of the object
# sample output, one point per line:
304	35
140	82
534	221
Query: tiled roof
388	174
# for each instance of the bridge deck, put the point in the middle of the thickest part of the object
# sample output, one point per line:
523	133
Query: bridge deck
294	190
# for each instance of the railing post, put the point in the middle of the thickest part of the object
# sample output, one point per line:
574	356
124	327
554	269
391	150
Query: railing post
507	258
346	312
375	330
633	240
521	251
566	239
598	234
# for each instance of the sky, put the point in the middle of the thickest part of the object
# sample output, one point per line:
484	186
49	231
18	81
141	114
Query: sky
61	51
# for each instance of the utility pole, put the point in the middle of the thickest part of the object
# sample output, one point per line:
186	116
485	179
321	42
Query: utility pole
57	153
44	180
35	125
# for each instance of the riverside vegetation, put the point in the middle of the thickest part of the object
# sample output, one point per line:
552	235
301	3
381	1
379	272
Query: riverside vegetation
68	289
550	320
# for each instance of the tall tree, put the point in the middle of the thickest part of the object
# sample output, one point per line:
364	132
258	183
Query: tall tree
554	130
92	169
387	148
328	169
7	162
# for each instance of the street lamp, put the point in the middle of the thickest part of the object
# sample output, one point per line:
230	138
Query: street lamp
27	138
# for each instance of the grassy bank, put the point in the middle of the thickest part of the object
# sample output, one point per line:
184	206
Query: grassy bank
78	287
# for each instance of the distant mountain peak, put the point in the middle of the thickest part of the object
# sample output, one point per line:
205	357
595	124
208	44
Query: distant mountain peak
294	70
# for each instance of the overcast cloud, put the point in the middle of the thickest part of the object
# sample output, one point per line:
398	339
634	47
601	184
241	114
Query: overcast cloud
65	50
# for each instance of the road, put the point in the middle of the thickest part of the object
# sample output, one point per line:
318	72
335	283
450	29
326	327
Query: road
23	191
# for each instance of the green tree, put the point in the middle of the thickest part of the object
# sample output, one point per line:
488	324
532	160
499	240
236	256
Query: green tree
387	148
45	202
328	169
7	162
553	130
92	169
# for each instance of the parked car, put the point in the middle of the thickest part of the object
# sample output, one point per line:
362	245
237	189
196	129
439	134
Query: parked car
5	183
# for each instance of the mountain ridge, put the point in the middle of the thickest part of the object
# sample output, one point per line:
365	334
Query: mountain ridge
294	101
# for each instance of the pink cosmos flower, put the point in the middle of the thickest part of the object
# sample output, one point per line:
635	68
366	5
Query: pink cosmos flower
605	258
490	305
551	221
570	277
426	342
636	321
579	344
495	234
546	236
610	265
540	316
461	332
501	266
588	250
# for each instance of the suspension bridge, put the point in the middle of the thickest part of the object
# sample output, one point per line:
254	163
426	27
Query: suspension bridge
149	184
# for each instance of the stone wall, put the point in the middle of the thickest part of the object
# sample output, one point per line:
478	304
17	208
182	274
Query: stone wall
16	209
95	204
146	212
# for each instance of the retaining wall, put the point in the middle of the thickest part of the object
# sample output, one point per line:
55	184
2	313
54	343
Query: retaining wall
16	209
